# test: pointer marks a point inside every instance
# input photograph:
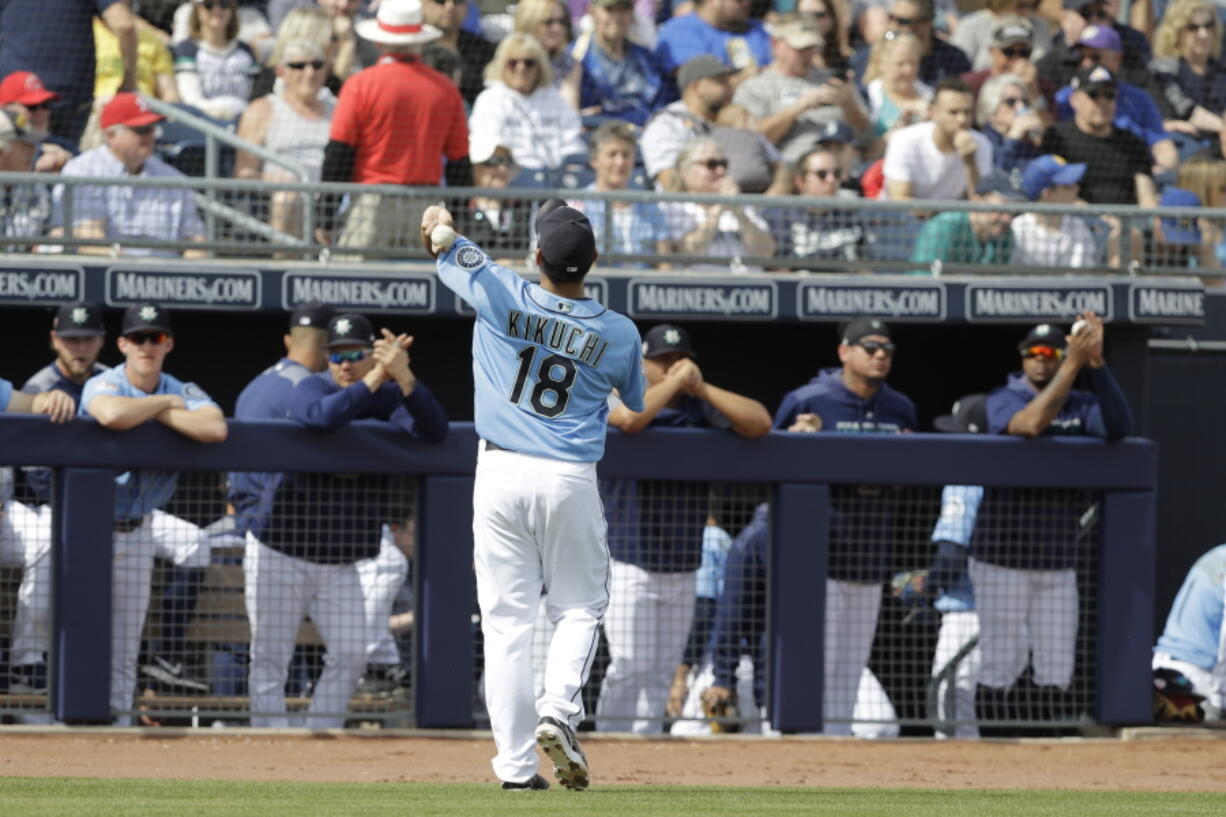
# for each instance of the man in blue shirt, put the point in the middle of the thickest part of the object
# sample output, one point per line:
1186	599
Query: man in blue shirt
306	532
545	359
655	535
722	28
25	542
133	393
1027	543
1189	658
853	400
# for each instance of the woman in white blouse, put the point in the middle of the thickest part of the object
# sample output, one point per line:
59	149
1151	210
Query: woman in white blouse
521	104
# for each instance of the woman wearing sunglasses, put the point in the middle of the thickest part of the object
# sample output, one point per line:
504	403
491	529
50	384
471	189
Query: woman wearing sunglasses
1188	70
521	104
292	122
716	230
819	233
214	69
549	22
1006	115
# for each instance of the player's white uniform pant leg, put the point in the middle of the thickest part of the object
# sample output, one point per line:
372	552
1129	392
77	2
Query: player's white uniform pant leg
280	591
1020	611
131	575
874	716
537	523
851	622
179	541
647	626
25	542
957	629
382	577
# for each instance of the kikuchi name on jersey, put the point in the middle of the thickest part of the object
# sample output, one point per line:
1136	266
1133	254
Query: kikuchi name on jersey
573	341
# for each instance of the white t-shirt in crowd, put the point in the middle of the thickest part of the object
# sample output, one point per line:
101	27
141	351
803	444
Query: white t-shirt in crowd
1072	245
912	156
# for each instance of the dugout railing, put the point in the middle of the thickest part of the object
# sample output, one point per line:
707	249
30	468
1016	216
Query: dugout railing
261	219
799	470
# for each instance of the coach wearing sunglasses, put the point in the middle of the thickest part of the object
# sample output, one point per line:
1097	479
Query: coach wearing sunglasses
309	530
113	216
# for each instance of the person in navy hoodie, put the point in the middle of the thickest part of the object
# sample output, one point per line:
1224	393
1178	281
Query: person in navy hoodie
853	399
307	531
1028	541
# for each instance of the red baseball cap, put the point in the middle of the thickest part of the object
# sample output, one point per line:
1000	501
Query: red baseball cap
25	88
128	109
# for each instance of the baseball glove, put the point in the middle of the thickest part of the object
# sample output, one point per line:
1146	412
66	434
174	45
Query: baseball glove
1175	700
909	587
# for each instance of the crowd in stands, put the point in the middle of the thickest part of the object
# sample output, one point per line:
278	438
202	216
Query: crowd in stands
907	99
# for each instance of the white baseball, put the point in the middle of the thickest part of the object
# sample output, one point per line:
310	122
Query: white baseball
442	237
1079	326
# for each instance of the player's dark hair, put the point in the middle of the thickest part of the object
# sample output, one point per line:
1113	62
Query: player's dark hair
953	84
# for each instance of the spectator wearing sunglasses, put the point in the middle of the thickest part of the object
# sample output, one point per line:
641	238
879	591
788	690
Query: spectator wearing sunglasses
294	122
938	59
1118	166
976	31
1064	59
549	22
1187	69
1010	50
821	233
308	531
791	100
1135	110
214	70
980	237
1027	542
853	399
1005	113
112	216
133	393
721	231
25	109
500	226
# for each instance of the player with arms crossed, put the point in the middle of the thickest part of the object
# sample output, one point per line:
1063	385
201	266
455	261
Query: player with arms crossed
545	359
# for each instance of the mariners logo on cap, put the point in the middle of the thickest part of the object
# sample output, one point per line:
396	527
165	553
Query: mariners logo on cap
305	320
672	337
147	313
343	326
80	315
469	257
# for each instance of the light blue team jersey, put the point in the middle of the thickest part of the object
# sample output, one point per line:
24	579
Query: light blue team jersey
140	492
6	394
1194	628
959	507
543	365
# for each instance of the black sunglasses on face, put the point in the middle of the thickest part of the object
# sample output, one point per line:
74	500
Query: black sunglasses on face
527	64
42	106
908	21
318	65
823	174
875	346
713	164
1017	53
1105	95
815	15
1012	101
1209	26
144	130
141	338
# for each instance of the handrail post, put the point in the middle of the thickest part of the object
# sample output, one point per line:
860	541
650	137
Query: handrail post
210	172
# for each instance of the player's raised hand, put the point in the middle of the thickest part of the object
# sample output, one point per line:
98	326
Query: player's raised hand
1096	331
690	375
56	404
434	216
392	353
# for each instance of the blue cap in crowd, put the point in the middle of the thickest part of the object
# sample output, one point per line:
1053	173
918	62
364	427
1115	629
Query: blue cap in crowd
1049	170
1180	230
1006	185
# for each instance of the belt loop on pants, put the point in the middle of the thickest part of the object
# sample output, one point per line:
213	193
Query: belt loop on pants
128	525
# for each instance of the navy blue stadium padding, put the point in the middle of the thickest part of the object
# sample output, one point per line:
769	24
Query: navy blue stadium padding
801	466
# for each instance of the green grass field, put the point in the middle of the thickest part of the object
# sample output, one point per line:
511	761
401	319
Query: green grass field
36	797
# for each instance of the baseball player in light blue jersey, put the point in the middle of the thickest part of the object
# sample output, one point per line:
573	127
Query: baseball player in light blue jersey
1193	644
132	393
25	542
545	359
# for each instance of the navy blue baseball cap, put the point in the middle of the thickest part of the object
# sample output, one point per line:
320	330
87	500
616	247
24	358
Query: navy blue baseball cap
666	338
1045	334
1006	185
836	131
969	416
862	327
350	329
565	239
79	319
145	317
315	315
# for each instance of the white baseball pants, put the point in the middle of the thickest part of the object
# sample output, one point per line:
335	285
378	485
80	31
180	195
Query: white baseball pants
647	626
538	525
25	542
1025	614
957	629
851	623
280	591
382	577
131	575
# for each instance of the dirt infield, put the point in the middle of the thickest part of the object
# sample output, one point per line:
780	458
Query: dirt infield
1167	764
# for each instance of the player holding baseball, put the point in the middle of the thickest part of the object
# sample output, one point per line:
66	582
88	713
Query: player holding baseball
545	359
1027	542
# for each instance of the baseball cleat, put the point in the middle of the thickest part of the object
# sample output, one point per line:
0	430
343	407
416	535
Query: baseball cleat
534	783
558	741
